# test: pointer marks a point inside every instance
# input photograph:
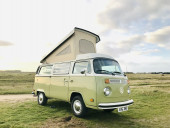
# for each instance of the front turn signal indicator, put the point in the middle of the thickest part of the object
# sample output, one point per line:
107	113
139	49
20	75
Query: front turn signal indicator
107	81
92	100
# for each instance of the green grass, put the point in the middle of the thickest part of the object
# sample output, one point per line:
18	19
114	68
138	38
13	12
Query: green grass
151	109
16	83
150	92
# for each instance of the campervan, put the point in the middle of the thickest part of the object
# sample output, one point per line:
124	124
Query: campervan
75	73
91	81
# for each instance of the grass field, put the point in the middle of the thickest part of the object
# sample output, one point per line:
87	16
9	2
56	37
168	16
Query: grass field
151	93
16	83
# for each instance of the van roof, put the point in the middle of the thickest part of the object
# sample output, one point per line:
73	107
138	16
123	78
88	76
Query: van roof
68	37
92	55
85	57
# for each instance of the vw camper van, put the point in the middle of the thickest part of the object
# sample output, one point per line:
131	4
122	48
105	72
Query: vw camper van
90	81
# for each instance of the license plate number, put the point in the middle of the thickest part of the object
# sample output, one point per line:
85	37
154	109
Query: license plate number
124	108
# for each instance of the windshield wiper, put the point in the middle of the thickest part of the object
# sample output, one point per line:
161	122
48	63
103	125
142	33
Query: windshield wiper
103	71
114	73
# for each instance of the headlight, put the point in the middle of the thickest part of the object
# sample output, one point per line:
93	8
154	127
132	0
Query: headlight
128	90
107	91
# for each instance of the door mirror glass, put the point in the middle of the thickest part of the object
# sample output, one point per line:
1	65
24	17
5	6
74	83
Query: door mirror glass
83	71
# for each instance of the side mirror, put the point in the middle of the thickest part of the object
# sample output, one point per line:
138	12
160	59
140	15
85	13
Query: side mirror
83	71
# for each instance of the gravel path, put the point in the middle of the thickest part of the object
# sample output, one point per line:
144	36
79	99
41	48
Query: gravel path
17	98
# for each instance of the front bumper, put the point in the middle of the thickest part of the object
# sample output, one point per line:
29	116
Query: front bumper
114	105
34	95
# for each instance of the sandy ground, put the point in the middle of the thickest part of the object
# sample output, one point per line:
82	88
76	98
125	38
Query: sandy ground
17	98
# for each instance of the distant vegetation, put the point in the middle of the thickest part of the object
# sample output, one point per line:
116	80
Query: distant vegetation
16	82
147	73
12	71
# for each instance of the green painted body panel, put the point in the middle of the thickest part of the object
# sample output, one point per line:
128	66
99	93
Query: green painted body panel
90	86
59	87
42	83
86	86
115	95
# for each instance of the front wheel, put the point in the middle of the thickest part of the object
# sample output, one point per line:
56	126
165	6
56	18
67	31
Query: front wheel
42	99
78	107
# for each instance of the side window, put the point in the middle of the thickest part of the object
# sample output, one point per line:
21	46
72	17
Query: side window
79	66
61	68
45	70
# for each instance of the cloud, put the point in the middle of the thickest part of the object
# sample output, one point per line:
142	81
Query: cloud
137	43
131	14
138	32
5	43
120	47
159	37
143	63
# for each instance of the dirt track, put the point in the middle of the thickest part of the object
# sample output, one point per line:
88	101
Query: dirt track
17	98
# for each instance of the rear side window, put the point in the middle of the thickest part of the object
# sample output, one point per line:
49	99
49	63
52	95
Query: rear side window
45	70
79	66
61	68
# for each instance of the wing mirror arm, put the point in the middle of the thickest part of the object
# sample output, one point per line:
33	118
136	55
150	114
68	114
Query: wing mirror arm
84	71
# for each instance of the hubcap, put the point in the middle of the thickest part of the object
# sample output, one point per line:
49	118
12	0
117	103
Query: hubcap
41	98
77	106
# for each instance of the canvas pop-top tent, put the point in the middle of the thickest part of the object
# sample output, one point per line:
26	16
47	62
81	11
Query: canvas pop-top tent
78	41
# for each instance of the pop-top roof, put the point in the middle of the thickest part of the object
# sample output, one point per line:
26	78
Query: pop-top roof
68	37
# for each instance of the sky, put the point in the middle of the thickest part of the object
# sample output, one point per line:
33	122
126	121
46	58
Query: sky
134	32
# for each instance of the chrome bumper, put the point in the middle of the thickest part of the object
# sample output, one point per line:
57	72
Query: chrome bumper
114	105
34	94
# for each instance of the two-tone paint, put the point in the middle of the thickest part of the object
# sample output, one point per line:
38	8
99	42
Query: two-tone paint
89	86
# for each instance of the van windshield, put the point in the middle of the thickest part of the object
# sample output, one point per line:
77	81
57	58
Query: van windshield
106	66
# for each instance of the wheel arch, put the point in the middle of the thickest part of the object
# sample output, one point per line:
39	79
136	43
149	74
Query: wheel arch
73	94
40	90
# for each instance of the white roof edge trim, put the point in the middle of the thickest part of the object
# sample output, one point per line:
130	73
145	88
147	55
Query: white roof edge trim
92	55
83	57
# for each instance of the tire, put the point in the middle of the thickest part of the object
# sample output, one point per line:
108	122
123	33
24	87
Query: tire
78	107
108	110
42	99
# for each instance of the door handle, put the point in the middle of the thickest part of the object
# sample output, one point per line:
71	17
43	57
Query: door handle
65	80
